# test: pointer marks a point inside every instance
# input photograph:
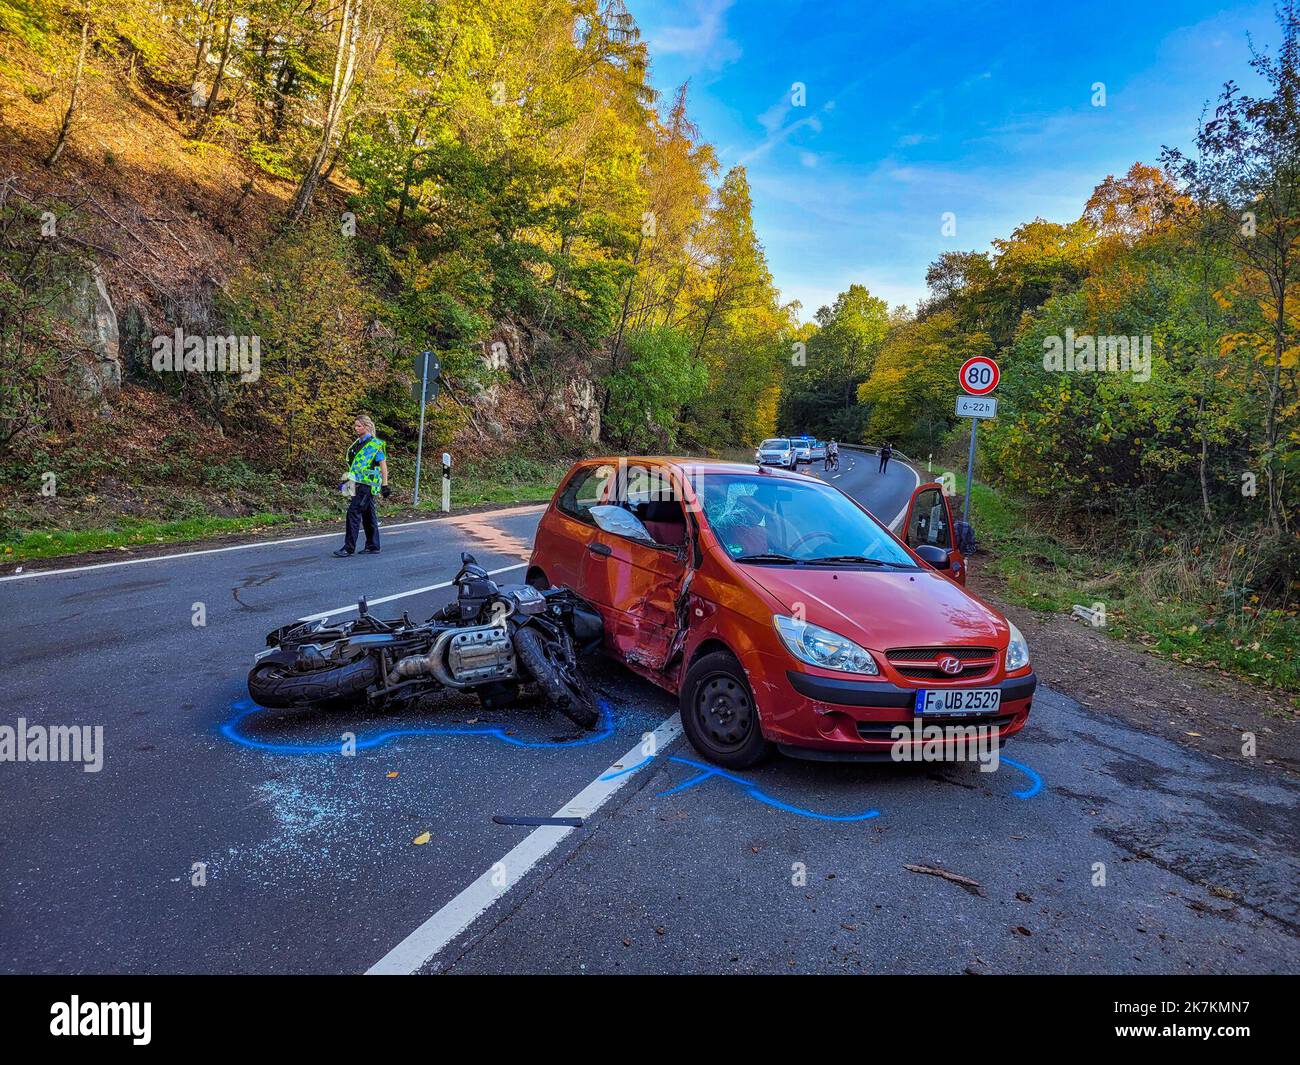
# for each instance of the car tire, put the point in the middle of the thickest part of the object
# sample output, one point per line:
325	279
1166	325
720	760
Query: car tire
719	714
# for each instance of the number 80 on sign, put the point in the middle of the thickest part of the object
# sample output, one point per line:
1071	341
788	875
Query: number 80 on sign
979	376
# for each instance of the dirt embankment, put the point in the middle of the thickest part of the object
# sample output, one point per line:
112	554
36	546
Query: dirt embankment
1214	714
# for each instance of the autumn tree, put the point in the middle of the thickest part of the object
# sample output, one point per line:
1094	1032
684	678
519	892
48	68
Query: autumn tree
1247	172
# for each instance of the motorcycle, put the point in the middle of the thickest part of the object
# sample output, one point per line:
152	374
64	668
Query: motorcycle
491	639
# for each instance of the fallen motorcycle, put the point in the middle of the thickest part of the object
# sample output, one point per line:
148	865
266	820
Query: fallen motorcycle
491	639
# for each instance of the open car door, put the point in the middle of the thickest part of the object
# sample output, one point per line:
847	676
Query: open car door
928	530
636	566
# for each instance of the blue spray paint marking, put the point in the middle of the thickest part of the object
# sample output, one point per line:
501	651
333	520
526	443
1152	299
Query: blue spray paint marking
245	707
1037	782
628	769
707	771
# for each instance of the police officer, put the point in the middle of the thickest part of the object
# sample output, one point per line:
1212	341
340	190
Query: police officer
368	468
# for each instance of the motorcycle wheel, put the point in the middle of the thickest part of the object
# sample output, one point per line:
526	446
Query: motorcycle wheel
278	687
559	676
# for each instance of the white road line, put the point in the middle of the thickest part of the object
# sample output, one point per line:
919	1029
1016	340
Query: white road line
261	543
403	595
416	950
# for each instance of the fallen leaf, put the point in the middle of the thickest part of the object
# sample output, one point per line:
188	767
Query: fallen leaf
421	839
392	774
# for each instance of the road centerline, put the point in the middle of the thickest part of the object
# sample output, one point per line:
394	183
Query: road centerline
426	941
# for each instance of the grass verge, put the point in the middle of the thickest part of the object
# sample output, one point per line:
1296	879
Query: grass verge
32	533
1183	604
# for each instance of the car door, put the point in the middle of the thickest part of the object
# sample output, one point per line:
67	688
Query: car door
565	535
636	585
929	525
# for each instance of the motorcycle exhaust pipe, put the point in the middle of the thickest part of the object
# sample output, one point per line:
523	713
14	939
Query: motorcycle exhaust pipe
433	664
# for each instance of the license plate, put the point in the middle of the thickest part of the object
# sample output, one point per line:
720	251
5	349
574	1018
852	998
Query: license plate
959	701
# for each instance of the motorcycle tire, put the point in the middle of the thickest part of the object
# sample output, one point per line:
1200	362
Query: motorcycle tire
566	687
275	686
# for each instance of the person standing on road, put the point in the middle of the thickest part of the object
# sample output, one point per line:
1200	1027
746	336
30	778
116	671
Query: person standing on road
886	453
833	455
368	470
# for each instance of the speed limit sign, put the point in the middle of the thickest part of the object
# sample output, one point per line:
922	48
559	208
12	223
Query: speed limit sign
979	376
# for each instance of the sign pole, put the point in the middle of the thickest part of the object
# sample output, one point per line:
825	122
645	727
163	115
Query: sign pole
419	450
970	471
978	377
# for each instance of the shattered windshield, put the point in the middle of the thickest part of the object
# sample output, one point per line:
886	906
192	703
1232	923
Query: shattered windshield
802	522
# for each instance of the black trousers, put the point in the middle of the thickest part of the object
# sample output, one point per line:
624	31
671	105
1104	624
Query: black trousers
362	511
884	462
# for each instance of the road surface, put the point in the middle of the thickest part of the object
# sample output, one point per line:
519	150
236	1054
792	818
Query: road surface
221	838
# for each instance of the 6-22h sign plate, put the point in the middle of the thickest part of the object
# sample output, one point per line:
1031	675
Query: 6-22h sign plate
977	407
979	376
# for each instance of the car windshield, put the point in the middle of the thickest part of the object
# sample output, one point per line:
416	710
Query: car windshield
776	520
773	445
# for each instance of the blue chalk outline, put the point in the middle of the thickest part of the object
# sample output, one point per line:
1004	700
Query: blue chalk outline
754	792
708	771
1036	784
628	769
245	707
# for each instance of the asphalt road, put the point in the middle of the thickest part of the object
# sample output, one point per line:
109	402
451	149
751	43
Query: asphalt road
309	865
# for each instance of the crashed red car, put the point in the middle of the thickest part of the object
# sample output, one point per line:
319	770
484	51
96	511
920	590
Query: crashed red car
779	610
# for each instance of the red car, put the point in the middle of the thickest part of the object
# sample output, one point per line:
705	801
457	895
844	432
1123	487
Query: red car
778	609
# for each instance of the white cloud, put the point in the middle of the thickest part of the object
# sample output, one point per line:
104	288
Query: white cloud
704	38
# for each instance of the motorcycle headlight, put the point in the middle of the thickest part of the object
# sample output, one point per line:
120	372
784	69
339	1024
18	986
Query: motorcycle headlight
1017	650
821	647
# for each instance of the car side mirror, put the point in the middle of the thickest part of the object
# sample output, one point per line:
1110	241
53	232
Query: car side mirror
934	557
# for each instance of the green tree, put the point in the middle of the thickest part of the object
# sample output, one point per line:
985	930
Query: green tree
647	395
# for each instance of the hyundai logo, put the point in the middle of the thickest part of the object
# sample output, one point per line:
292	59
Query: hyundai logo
949	664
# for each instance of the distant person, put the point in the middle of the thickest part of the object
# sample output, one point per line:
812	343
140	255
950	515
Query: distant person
368	474
832	455
886	453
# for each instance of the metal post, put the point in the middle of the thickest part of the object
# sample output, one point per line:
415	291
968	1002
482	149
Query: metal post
970	471
419	450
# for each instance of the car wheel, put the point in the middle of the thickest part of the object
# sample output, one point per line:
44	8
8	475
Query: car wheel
719	714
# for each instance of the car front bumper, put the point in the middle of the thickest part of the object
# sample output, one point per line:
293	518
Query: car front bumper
812	715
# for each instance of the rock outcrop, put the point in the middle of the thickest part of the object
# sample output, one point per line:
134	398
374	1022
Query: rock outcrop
87	306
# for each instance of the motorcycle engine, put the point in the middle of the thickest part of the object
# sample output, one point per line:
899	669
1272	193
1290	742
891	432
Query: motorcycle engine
480	654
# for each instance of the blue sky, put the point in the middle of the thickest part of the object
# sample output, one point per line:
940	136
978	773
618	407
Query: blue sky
916	109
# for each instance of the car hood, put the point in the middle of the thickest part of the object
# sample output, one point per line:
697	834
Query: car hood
881	609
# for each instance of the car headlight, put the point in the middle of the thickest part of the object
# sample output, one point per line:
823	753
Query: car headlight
1017	650
821	647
